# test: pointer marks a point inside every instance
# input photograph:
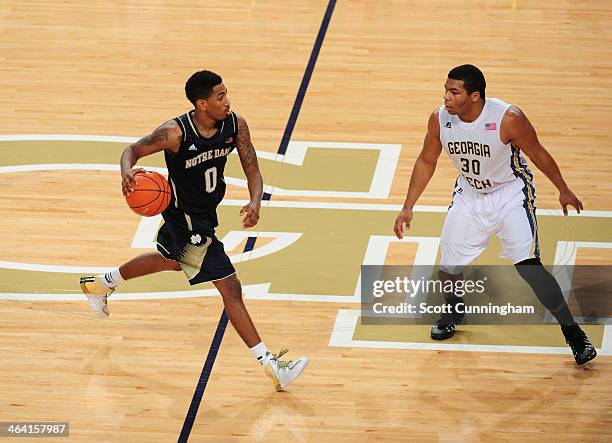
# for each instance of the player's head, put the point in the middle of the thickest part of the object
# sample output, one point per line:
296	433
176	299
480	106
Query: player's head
206	91
465	86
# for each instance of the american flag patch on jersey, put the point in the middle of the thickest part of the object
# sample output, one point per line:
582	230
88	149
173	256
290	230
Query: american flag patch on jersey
490	126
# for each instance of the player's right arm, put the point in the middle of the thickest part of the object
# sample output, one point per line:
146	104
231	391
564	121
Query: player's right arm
167	137
423	170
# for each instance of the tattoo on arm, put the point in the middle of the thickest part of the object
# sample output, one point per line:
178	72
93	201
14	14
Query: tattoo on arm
248	157
158	135
166	137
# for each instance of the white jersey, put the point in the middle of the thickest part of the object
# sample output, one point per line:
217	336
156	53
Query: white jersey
476	149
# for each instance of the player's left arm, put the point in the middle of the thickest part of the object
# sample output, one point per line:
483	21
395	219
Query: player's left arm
517	128
248	159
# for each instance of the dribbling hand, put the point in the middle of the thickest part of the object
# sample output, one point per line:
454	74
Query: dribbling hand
403	218
128	181
566	198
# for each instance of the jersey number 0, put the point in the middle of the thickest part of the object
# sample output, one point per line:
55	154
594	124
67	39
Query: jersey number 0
210	179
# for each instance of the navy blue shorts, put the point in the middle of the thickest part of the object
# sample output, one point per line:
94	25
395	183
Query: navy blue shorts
200	254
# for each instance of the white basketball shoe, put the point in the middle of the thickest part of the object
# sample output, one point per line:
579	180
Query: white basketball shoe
283	373
97	294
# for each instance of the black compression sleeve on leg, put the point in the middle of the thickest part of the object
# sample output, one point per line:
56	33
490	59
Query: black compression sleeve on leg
546	289
450	297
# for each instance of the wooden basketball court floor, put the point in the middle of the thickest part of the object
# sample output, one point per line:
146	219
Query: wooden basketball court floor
81	79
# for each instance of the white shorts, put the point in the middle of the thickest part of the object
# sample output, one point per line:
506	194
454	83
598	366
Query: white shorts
508	212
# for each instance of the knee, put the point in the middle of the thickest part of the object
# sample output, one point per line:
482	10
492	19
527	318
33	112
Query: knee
230	289
529	261
169	265
448	269
531	270
453	274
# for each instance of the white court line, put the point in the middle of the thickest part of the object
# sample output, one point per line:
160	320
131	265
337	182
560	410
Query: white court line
258	291
125	296
21	266
147	228
67	137
395	207
606	341
73	167
346	323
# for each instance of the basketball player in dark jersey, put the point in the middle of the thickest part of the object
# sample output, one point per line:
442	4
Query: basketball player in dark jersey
196	145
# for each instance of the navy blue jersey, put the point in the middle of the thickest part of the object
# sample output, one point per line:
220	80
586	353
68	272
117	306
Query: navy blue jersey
195	173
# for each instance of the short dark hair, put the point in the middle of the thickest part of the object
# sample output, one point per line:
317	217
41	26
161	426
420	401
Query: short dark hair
472	77
200	85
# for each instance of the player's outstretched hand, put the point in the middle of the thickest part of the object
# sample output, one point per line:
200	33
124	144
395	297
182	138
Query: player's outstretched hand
128	181
566	198
251	214
403	218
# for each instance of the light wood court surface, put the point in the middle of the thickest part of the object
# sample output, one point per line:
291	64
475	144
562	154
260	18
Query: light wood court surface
117	69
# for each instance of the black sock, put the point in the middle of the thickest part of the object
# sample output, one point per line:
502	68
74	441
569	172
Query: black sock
449	297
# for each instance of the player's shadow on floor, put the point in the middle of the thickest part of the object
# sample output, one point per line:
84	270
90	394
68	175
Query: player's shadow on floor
277	414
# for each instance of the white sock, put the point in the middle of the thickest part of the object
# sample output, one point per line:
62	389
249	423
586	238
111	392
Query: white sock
262	353
112	279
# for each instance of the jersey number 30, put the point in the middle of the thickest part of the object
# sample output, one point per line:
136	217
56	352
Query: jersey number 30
465	166
210	179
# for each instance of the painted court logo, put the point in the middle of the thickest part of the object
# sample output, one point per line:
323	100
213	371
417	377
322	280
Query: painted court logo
285	241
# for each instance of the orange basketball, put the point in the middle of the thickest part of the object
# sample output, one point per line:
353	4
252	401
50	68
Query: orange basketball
151	195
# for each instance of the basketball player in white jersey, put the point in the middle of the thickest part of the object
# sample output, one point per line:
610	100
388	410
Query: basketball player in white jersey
494	194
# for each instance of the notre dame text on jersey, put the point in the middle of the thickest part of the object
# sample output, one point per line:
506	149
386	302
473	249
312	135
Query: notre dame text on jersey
195	173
